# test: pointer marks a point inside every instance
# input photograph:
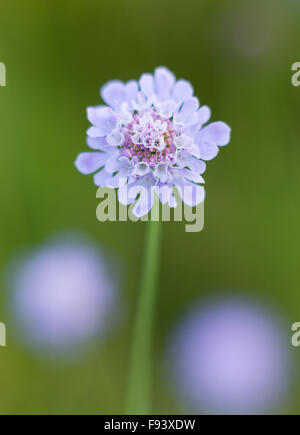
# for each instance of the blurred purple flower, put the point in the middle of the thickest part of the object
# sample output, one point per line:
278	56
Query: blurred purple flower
230	357
62	294
151	133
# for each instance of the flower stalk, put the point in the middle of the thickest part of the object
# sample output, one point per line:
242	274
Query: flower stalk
140	376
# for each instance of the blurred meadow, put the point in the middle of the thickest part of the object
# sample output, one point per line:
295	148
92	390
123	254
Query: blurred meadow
238	56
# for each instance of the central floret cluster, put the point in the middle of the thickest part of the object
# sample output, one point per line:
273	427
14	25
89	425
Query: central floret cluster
151	134
148	141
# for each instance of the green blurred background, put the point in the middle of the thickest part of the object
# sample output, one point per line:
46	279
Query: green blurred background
238	55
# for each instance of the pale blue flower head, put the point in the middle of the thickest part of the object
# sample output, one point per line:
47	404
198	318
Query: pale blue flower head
230	357
151	133
62	295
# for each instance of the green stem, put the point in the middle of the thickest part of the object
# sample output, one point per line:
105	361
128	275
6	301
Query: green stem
140	379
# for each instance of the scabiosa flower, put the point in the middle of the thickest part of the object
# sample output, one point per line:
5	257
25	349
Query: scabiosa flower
61	295
230	357
150	134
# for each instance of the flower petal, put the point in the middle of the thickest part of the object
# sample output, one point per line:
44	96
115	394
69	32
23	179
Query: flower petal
165	194
191	194
194	151
147	84
164	82
217	133
142	187
132	88
182	158
95	132
182	91
97	143
114	181
102	119
188	108
125	166
101	177
123	195
141	168
114	93
167	109
184	141
196	165
112	164
204	115
144	202
89	162
208	151
185	159
196	178
161	172
115	138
